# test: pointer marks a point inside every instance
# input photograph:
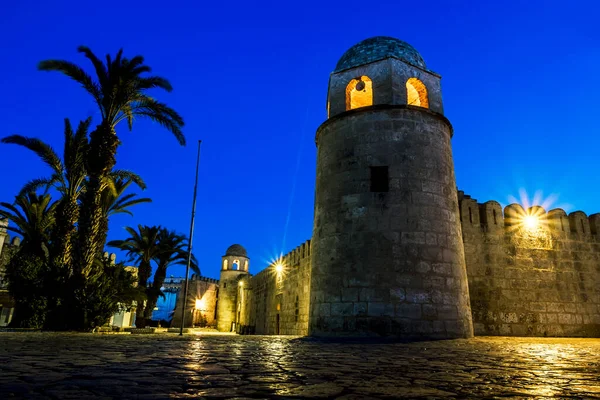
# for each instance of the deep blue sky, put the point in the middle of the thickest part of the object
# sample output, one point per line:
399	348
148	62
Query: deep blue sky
520	85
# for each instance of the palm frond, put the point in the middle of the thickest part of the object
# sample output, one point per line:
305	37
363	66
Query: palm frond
14	229
101	72
120	89
161	114
128	176
41	149
111	188
121	207
16	215
75	150
74	72
35	184
152	82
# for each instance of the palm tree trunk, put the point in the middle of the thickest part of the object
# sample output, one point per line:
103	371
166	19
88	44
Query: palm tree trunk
103	232
67	214
144	272
159	279
60	267
100	161
89	227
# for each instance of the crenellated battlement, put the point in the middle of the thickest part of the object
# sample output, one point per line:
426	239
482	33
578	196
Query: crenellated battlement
298	254
531	272
204	279
490	217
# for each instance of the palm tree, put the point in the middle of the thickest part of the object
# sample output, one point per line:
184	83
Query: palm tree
120	91
67	177
114	201
142	247
32	217
173	251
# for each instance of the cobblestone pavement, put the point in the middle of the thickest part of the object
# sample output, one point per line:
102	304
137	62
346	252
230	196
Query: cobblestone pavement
81	366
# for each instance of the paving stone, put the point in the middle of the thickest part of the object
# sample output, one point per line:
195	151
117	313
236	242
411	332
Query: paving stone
76	366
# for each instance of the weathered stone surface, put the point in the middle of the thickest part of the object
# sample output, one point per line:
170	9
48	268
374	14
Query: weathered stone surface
365	251
531	282
76	366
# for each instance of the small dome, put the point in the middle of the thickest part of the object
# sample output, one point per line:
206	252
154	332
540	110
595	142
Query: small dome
379	48
236	250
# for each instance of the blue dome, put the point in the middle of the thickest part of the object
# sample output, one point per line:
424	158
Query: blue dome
379	48
236	250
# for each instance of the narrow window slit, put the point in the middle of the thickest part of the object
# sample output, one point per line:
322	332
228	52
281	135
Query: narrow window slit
380	179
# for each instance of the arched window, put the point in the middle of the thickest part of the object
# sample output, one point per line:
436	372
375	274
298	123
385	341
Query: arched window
236	265
416	93
224	264
359	93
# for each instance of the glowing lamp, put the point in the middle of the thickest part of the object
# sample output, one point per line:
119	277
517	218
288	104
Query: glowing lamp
531	222
279	268
199	304
241	283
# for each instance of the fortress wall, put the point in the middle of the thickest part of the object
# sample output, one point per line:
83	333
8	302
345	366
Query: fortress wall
540	282
199	288
284	294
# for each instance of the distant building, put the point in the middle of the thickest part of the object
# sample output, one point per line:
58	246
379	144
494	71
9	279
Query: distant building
165	306
7	248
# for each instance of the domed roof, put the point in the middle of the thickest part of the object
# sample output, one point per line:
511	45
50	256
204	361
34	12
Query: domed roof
379	48
236	250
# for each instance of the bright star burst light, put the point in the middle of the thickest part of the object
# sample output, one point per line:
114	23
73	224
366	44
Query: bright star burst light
531	222
277	264
279	267
538	199
533	216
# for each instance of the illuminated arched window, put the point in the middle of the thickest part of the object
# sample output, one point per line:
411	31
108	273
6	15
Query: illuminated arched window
224	264
416	93
359	93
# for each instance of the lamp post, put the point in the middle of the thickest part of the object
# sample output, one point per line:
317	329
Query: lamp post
189	258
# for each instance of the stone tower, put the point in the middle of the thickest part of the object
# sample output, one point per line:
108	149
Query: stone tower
234	267
387	250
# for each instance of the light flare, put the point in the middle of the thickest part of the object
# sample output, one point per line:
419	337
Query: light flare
538	198
533	215
531	222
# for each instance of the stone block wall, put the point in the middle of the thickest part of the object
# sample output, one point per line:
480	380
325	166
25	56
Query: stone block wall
229	301
543	281
387	262
205	290
278	302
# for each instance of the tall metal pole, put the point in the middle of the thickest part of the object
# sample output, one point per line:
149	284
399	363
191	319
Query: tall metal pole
189	258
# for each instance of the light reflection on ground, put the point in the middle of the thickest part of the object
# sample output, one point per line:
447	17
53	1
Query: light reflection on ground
222	366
